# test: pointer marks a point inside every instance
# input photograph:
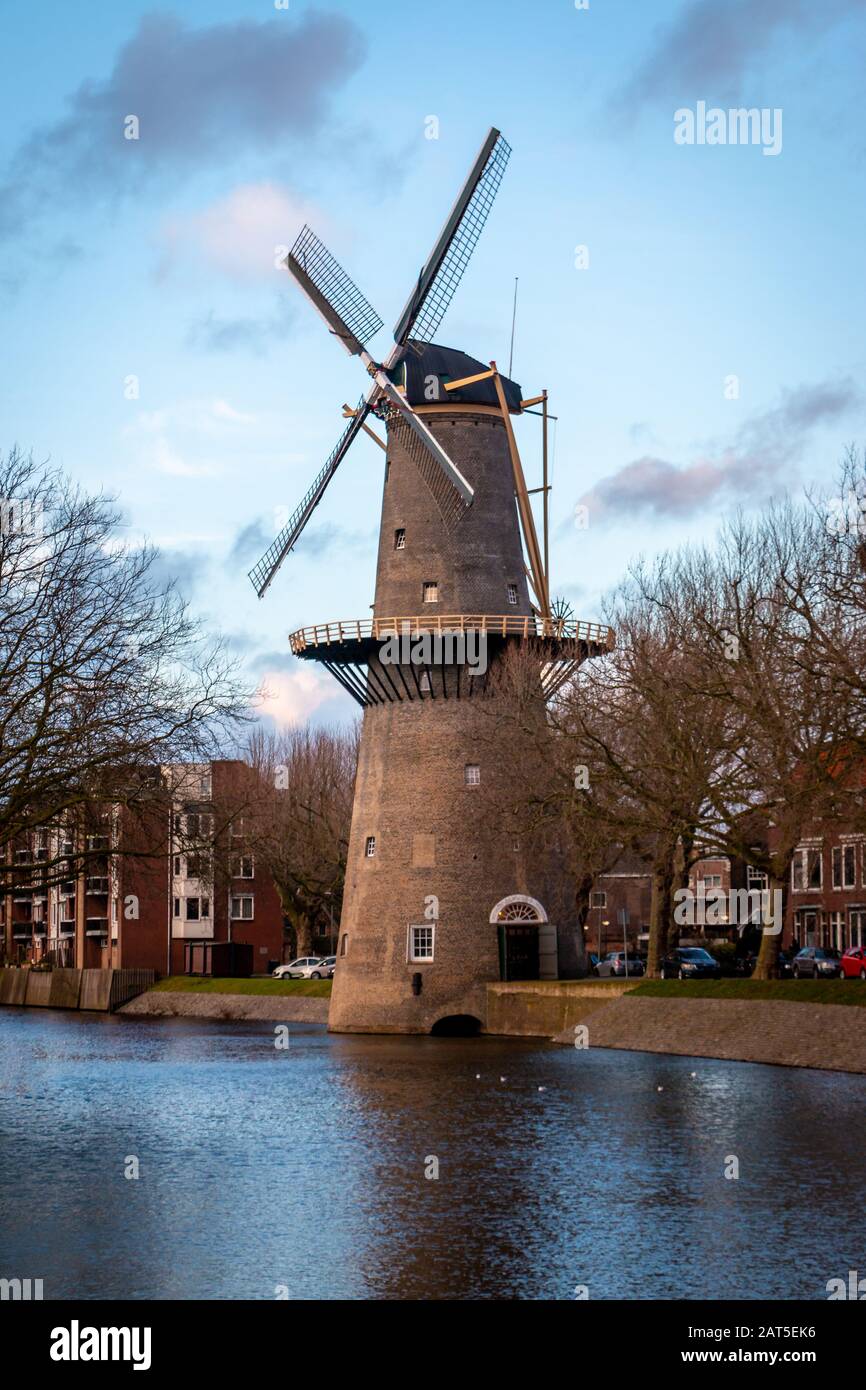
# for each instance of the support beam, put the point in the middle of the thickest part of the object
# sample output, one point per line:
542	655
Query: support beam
349	413
523	504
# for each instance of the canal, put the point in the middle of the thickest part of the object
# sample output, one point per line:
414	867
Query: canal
302	1170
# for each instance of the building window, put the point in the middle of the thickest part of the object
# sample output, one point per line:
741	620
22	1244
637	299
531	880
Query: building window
712	880
845	866
370	847
177	866
197	909
400	539
242	908
197	866
242	866
599	900
177	907
421	943
205	787
806	870
756	879
472	775
424	682
344	943
512	594
431	591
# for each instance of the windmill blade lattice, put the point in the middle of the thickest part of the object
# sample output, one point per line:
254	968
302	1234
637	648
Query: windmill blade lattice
443	272
262	573
352	318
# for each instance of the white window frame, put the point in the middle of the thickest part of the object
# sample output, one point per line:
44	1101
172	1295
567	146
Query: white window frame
370	847
429	928
430	591
512	594
801	860
601	905
472	774
243	916
240	860
400	538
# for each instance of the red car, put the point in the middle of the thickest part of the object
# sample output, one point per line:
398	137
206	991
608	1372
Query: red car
853	963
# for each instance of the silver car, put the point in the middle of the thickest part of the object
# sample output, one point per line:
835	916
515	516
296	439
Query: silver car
325	969
615	966
300	969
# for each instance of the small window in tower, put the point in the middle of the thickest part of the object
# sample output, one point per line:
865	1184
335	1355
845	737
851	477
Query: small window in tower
344	944
512	594
421	943
400	538
424	682
472	775
431	592
370	847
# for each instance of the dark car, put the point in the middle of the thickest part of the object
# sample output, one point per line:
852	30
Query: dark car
816	963
745	965
690	963
615	966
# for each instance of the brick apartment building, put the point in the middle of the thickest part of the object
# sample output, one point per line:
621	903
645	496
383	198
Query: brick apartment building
189	877
826	898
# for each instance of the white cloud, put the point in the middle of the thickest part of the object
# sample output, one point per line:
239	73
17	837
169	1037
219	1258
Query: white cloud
238	234
291	697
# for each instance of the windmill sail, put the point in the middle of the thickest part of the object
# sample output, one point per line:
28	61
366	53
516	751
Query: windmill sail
451	492
262	573
332	292
441	275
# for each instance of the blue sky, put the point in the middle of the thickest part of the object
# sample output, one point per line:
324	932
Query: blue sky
154	259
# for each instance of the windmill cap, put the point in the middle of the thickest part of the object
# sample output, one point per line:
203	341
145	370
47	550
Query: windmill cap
426	360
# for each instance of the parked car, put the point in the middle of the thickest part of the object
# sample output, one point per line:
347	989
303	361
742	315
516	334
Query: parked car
301	969
325	968
690	963
853	963
614	964
815	963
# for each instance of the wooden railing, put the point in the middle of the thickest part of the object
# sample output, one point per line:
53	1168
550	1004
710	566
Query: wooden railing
497	625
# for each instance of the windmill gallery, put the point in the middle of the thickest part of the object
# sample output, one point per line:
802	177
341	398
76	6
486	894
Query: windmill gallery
456	520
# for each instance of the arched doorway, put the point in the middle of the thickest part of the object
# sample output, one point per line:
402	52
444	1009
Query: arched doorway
527	941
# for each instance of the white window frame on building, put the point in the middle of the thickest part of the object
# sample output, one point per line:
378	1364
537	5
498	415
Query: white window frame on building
421	943
202	909
472	774
241	915
512	594
594	900
712	880
430	591
806	858
370	847
242	863
844	858
400	538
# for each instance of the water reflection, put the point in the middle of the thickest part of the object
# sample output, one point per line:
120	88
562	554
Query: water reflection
306	1167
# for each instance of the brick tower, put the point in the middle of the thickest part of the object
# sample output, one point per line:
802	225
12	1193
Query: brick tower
440	899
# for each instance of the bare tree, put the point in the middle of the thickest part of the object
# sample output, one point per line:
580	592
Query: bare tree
104	675
299	823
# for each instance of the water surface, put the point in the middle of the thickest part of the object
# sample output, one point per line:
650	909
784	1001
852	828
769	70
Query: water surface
304	1168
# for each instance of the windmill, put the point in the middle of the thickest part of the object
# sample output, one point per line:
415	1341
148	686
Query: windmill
439	899
353	322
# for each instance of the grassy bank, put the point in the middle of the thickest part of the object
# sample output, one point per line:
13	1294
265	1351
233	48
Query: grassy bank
791	991
195	984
